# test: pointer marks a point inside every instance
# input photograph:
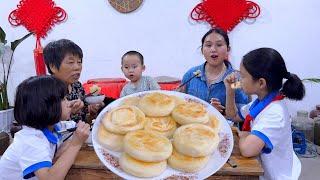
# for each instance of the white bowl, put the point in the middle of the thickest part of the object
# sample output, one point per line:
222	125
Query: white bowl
94	99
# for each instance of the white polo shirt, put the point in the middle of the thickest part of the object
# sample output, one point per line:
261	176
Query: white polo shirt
273	126
31	150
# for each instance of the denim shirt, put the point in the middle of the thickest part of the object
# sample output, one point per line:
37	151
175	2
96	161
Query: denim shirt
198	87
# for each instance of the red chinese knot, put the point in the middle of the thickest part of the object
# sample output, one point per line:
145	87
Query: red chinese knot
38	16
225	14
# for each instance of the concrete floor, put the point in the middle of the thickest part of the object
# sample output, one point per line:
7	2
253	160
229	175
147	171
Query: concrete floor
310	168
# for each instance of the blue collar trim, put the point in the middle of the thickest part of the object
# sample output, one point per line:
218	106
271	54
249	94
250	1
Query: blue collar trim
52	138
257	106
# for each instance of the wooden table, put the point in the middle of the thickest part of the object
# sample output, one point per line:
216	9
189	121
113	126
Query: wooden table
88	166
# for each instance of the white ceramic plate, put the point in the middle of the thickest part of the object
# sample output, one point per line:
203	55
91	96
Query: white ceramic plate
217	160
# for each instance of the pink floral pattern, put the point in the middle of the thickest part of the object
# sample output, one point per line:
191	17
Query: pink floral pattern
224	144
112	160
196	101
181	176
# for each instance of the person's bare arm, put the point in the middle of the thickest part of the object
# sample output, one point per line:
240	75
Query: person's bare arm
61	167
250	145
231	108
62	149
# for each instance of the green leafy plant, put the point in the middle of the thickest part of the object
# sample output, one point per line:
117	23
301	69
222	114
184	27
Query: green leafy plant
6	56
312	80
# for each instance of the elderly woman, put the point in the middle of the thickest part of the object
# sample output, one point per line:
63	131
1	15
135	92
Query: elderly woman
63	59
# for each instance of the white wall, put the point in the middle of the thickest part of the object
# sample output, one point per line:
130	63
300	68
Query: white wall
169	40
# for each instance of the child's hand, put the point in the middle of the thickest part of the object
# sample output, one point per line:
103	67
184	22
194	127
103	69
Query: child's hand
81	134
230	79
217	104
76	105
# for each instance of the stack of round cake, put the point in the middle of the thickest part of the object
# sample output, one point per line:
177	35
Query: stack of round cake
145	153
142	126
193	145
118	122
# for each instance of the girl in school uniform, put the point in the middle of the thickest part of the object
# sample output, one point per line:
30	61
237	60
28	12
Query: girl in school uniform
267	126
40	104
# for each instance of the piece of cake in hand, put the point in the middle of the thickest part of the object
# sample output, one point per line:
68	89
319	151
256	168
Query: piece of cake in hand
95	90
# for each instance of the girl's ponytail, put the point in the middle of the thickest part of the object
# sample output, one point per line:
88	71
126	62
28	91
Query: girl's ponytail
293	88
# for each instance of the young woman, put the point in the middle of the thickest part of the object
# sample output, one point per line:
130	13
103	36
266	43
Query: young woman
209	85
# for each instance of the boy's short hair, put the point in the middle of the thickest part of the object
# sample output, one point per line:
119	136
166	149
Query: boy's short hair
55	51
133	53
38	101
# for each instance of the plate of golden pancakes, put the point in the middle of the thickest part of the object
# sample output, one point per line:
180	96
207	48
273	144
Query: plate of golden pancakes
162	135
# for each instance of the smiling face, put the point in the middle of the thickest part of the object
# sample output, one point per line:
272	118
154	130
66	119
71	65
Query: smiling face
132	67
69	70
215	49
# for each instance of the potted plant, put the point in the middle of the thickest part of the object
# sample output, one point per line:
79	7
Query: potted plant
6	57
